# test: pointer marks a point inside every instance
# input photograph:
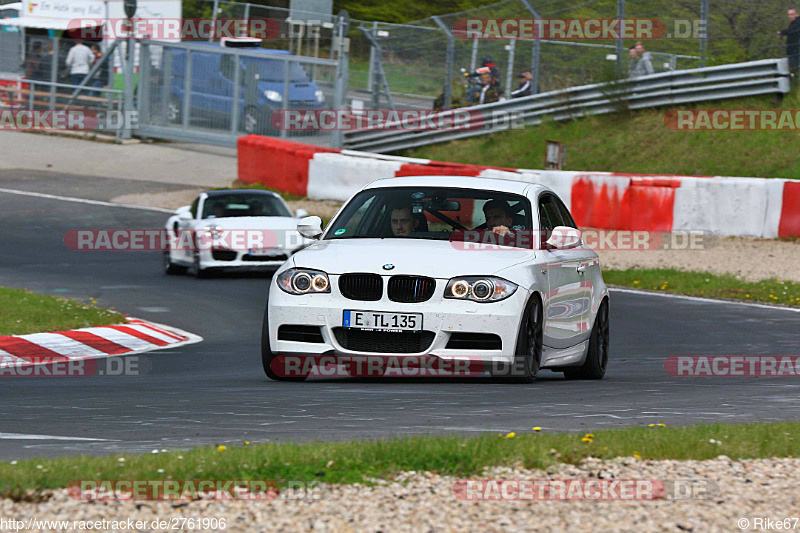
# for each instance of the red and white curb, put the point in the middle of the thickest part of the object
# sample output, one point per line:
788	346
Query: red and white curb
136	337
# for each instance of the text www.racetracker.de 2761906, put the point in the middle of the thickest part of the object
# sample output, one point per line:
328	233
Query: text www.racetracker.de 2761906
164	524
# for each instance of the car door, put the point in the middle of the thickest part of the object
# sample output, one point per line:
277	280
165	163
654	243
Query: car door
564	303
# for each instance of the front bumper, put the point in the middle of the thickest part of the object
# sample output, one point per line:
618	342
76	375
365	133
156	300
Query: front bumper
441	318
225	258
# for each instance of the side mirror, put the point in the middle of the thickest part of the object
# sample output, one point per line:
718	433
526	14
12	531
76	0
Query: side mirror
184	213
310	227
301	213
564	237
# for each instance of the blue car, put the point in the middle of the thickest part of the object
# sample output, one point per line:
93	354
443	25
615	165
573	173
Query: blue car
260	94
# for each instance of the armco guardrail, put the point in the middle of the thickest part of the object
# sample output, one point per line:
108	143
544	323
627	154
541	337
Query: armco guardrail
769	76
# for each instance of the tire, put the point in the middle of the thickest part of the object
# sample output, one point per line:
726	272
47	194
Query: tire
597	356
267	356
170	268
528	352
198	272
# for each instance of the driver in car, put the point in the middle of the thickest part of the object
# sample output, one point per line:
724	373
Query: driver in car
499	217
403	222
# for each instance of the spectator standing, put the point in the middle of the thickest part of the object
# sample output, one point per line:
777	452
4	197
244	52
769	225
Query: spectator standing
633	60
792	34
644	66
489	92
33	60
79	60
524	87
43	71
101	76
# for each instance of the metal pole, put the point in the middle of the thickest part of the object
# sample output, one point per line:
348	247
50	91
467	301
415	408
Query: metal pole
237	84
247	12
371	73
620	46
129	82
536	50
54	73
340	88
473	61
449	61
509	70
704	12
187	90
283	133
213	20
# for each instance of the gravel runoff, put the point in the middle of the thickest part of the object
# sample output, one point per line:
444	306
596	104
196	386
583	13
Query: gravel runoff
423	501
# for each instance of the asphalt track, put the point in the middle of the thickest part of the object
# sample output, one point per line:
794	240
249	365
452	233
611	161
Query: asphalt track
215	392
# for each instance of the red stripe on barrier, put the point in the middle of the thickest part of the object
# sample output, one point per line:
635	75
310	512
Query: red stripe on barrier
644	205
789	225
28	350
438	170
139	335
95	341
276	163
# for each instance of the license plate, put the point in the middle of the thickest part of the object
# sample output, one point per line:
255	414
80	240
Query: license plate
379	321
255	252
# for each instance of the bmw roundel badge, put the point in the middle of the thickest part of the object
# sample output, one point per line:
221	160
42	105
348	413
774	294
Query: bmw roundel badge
388	266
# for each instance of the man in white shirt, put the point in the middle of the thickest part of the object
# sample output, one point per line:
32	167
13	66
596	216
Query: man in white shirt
79	61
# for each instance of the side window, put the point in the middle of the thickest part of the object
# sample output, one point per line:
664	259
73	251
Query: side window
566	217
193	209
549	217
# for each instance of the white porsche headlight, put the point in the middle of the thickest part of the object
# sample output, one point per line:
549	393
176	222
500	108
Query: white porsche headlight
303	281
213	231
479	288
319	95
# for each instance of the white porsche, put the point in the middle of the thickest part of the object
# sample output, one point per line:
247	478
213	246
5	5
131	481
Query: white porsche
232	228
444	267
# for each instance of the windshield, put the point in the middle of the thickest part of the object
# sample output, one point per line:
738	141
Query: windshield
244	205
273	70
430	213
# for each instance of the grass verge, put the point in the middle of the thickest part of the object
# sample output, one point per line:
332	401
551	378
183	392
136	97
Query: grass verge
23	312
705	284
638	142
350	462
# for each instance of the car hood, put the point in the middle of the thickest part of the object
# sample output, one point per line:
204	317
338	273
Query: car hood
436	259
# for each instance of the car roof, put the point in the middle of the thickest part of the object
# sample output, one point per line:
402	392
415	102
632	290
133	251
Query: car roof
227	192
464	182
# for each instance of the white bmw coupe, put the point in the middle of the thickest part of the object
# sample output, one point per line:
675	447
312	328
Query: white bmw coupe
450	268
232	228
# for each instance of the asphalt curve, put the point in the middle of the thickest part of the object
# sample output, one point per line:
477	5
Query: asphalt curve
215	391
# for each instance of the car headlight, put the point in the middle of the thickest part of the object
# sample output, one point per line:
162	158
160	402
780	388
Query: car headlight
213	231
275	96
479	288
320	96
304	281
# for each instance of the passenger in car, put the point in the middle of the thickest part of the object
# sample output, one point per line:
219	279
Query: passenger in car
403	221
